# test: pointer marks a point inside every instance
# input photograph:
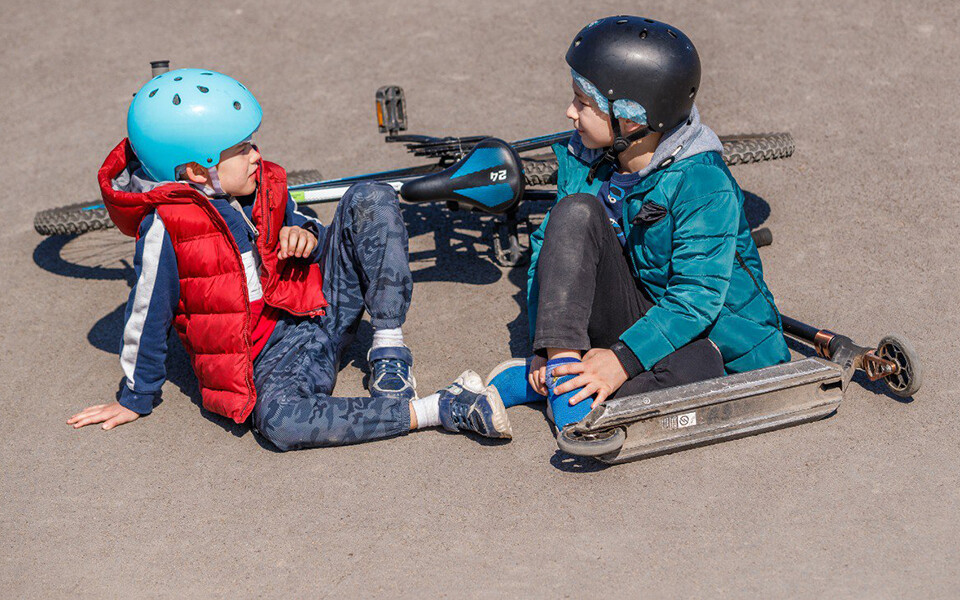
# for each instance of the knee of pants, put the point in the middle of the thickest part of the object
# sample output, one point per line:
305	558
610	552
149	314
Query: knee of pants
576	212
277	426
279	423
369	194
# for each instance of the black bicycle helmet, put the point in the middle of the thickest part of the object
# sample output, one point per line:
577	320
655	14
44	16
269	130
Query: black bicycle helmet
643	60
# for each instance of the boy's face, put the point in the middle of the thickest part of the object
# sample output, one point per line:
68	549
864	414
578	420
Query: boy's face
593	125
237	169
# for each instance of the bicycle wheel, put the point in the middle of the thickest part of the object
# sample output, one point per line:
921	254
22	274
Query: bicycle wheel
72	219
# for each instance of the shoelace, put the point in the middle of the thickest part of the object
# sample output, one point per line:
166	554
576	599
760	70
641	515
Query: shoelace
390	366
464	416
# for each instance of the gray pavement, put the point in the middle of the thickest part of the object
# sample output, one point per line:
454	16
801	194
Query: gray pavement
862	505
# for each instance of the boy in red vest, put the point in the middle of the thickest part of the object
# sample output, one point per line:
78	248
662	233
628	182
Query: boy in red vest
264	298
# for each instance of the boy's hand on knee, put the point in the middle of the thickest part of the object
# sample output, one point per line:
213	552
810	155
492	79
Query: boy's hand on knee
296	241
537	377
110	415
599	372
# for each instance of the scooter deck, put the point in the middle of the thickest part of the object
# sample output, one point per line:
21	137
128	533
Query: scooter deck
719	409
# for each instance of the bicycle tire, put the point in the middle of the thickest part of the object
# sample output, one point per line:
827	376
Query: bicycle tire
82	217
540	172
741	149
301	176
738	149
72	219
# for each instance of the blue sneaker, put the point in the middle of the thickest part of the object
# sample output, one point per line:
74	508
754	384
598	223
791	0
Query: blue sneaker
466	405
510	379
391	373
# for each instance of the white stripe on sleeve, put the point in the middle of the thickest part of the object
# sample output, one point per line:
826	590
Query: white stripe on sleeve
153	242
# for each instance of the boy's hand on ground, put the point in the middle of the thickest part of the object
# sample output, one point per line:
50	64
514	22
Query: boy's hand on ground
599	372
110	415
537	377
296	241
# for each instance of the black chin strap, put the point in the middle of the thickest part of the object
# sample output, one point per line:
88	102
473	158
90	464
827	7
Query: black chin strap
620	143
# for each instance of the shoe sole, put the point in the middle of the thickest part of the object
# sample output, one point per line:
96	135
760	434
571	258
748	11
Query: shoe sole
501	422
507	364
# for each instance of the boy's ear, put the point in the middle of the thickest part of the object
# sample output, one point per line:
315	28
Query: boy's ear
627	127
195	173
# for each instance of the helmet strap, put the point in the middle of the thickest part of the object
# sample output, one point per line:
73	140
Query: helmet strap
621	142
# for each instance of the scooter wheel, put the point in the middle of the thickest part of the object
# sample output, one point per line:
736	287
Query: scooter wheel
907	381
591	444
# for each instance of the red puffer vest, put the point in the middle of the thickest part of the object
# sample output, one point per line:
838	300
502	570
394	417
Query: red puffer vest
213	316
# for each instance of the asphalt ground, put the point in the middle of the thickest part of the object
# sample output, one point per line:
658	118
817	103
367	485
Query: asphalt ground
183	504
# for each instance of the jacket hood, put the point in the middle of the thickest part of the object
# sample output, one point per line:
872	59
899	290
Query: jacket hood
683	141
128	192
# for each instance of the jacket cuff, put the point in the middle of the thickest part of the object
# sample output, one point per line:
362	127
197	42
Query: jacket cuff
314	228
140	403
631	364
647	342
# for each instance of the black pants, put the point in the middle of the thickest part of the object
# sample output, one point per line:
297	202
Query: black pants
588	297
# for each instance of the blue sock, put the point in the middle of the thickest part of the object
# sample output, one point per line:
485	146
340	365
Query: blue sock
563	413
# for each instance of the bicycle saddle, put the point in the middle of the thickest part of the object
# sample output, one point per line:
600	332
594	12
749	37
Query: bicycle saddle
489	178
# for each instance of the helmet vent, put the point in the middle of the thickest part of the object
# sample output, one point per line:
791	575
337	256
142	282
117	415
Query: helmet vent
153	93
649	21
693	92
241	85
672	33
622	21
176	99
202	89
643	34
236	105
577	41
178	78
206	73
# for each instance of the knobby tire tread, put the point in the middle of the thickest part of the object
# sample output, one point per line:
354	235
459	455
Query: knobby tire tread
738	149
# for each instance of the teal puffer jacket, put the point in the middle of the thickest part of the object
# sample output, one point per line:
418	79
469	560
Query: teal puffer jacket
697	261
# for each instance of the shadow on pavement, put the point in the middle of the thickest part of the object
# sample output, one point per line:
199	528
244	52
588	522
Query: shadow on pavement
462	245
756	209
105	255
576	464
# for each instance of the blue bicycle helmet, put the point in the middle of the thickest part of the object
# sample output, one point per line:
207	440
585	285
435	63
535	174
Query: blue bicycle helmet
189	115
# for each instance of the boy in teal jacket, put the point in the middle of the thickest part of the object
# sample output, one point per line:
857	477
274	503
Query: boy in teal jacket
644	274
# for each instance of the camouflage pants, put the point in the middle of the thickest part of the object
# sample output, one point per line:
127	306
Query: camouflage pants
365	267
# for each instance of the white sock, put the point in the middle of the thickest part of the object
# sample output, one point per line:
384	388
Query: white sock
427	410
387	337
